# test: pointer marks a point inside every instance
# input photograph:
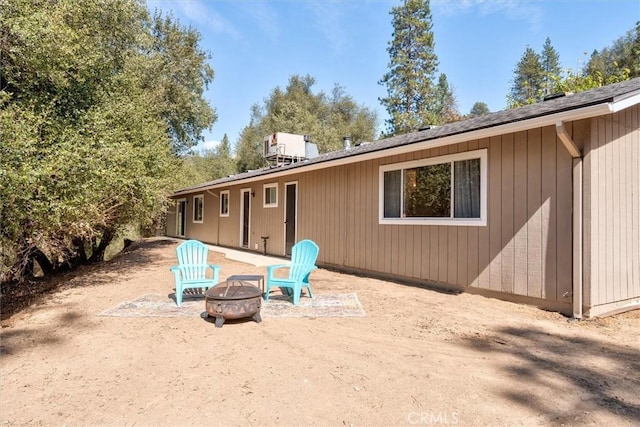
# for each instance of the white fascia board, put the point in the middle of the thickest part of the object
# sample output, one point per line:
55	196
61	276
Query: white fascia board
548	120
625	103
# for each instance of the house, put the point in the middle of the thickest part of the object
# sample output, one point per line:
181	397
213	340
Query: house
539	205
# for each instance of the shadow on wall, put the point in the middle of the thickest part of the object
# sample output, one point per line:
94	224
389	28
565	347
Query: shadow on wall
600	375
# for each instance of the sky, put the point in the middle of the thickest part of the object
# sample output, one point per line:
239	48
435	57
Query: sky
257	45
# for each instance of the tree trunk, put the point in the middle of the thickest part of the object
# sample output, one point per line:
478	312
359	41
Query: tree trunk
98	252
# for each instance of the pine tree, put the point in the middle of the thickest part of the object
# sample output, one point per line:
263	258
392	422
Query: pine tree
550	61
412	67
445	109
620	61
528	80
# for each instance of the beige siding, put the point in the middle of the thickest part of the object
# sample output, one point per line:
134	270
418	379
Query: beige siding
526	247
612	209
516	252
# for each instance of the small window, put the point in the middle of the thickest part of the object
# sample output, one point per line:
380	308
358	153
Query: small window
436	191
198	208
270	195
224	203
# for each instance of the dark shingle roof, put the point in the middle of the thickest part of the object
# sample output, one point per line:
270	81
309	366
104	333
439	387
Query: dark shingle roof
601	95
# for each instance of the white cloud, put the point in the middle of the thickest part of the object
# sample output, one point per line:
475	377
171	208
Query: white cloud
329	19
197	11
525	10
264	15
206	146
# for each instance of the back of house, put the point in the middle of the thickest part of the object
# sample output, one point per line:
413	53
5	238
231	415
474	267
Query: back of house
539	204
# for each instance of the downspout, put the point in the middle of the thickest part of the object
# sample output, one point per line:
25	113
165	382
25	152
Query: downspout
577	278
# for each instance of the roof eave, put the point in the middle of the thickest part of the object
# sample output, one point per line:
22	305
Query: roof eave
604	107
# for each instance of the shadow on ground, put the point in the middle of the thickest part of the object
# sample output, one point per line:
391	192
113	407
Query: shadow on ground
604	374
19	340
139	256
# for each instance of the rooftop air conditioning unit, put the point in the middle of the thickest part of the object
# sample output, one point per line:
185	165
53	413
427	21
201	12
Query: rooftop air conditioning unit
287	147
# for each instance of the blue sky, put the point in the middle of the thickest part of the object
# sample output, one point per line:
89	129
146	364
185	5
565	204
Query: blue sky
257	45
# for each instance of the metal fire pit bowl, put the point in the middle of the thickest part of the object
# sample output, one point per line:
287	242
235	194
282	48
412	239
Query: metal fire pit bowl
233	299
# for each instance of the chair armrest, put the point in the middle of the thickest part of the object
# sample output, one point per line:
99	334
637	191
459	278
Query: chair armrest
272	268
216	272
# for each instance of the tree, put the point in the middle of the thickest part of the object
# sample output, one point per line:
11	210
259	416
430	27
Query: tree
613	64
412	68
550	62
444	103
89	123
479	109
297	109
209	165
528	80
620	61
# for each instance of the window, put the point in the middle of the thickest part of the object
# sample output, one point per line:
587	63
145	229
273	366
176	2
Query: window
270	195
224	203
198	208
441	190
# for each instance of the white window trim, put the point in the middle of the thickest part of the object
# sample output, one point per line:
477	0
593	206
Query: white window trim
222	193
264	199
193	217
467	155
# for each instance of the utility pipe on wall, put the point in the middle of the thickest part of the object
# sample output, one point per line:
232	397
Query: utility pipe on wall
577	278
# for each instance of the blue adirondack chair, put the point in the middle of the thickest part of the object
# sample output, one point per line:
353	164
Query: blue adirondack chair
191	271
303	259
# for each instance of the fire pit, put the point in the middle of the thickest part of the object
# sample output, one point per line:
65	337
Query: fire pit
233	299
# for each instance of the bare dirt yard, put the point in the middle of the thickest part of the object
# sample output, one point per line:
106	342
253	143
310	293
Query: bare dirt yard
418	357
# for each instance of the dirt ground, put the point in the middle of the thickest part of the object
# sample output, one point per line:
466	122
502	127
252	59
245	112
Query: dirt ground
419	357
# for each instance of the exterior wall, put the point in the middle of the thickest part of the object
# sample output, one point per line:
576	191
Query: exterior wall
525	249
612	210
207	231
523	253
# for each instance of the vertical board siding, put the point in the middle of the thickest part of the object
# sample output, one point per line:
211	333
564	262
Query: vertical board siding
495	213
483	234
520	217
548	211
612	212
507	207
528	225
534	222
563	257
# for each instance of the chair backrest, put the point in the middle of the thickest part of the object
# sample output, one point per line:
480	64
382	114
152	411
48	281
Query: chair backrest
303	256
192	258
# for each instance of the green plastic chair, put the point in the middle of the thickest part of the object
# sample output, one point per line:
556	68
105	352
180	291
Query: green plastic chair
191	271
303	259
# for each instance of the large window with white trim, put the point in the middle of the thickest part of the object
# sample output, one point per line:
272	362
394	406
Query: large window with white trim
224	203
441	190
198	208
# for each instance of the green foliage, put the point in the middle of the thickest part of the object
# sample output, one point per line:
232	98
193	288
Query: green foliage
297	109
620	61
550	62
94	101
479	109
413	98
444	103
538	75
210	165
427	191
528	81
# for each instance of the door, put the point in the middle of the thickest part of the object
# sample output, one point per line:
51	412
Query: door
181	217
245	210
290	209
